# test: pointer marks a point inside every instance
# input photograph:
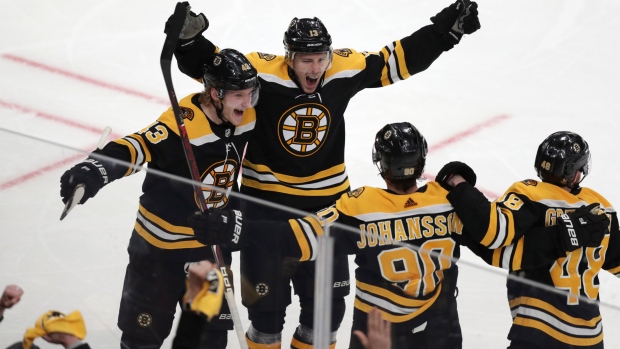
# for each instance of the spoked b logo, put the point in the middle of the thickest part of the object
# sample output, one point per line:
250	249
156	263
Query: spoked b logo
303	128
220	175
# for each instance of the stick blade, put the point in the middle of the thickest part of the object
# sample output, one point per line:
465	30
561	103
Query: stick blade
77	196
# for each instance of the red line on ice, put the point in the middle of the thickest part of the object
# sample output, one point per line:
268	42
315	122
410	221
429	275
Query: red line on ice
83	78
466	133
71	123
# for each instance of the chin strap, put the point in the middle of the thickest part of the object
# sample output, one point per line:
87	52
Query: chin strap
218	111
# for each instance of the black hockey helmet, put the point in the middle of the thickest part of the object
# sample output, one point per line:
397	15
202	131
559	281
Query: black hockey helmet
400	151
230	70
306	35
560	156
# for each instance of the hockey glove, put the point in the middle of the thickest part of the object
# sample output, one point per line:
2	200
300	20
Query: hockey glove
195	24
91	173
453	168
585	227
218	227
457	19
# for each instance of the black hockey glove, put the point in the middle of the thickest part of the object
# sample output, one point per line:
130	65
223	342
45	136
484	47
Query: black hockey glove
585	227
218	227
457	19
195	24
453	168
91	173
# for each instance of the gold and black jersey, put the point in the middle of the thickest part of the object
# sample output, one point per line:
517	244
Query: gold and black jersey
161	228
296	157
547	319
395	270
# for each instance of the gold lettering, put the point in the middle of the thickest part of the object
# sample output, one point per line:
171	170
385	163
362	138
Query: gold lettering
440	223
362	242
427	223
413	224
372	235
454	223
385	232
399	231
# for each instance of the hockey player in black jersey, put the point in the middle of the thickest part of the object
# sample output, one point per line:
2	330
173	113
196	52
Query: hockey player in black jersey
219	122
405	230
543	319
296	157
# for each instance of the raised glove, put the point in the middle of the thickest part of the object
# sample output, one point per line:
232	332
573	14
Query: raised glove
218	227
457	19
585	227
453	168
195	24
91	173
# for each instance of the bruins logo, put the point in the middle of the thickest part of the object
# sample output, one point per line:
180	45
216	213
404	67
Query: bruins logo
266	56
144	320
187	113
220	175
531	182
356	193
262	289
343	52
304	128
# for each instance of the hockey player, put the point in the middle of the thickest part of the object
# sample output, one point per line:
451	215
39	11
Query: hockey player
543	319
410	236
297	156
219	122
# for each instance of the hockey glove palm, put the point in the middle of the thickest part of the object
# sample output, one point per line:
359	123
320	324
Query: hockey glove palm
457	19
205	289
585	227
218	227
91	173
455	168
195	24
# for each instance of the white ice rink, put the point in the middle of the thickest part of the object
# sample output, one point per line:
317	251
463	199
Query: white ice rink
69	68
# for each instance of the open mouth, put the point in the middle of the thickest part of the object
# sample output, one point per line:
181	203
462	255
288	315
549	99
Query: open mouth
312	81
238	112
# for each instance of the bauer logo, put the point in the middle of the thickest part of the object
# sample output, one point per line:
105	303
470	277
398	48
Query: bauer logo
304	128
220	175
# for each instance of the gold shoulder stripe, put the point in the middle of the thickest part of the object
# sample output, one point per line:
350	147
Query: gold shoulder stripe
269	64
349	59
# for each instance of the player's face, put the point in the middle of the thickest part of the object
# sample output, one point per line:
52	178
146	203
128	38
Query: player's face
236	102
308	68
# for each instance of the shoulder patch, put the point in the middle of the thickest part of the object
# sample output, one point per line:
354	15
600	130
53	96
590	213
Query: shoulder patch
187	113
266	56
343	52
530	182
356	193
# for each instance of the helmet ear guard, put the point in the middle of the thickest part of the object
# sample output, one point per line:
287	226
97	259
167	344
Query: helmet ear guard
400	152
560	156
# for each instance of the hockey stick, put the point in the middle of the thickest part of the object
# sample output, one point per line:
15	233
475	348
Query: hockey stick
174	30
78	192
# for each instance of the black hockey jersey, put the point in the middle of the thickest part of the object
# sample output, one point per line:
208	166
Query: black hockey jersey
545	318
161	227
296	157
397	253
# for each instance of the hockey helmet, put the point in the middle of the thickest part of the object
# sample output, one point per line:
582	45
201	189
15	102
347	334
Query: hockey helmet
230	70
306	35
560	156
400	151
